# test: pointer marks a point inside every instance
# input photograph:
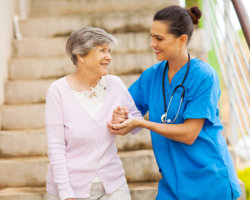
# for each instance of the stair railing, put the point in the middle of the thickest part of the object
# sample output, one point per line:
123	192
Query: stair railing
233	63
23	13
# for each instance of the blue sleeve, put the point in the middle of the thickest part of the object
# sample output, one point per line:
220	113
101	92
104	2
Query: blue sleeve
139	90
204	98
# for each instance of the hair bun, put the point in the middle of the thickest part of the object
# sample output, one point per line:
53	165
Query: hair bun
195	14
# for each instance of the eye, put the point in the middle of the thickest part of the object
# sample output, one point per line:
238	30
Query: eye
159	39
109	50
102	50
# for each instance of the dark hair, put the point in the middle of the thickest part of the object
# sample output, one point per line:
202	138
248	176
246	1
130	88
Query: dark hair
179	20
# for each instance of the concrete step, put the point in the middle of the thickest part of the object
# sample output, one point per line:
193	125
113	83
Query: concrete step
139	191
139	141
143	191
127	43
52	47
140	166
31	171
23	172
23	193
24	143
15	117
64	7
34	91
23	92
128	21
48	68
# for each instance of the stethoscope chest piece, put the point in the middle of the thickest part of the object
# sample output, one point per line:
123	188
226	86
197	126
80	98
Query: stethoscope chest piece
163	119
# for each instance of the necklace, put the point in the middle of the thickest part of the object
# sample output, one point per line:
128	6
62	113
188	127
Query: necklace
98	91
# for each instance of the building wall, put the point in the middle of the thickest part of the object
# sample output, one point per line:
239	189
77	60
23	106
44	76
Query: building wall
7	10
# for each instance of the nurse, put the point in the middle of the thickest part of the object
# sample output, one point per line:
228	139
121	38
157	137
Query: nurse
181	94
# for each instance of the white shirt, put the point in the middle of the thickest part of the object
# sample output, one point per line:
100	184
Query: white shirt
92	101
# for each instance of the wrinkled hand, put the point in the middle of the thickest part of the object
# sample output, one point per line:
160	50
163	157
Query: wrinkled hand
120	114
122	128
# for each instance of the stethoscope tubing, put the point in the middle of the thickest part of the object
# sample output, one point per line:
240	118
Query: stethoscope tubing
164	116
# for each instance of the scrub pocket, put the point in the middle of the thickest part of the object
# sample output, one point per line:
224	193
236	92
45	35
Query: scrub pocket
209	182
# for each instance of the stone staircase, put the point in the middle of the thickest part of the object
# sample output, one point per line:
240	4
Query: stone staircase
40	58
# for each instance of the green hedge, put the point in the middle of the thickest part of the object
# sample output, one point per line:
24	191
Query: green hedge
244	175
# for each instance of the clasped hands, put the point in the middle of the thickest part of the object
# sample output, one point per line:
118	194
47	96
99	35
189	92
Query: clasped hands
121	124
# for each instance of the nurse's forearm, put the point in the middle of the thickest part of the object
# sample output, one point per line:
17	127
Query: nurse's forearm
185	133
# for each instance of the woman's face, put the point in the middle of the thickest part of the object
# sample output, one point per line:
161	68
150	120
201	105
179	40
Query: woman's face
166	46
98	59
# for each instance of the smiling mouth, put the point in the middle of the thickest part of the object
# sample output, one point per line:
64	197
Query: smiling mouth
157	51
105	64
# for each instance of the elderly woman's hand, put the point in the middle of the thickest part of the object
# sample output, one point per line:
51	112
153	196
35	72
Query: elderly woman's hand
124	127
120	114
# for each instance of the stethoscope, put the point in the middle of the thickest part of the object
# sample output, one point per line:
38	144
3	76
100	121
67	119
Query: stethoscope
164	117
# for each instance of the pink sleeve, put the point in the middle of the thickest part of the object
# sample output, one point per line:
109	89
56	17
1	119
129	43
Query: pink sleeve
56	143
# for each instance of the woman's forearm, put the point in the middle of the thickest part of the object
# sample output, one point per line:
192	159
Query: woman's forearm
186	132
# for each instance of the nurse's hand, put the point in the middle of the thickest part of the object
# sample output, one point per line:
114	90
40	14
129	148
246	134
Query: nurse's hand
124	127
120	114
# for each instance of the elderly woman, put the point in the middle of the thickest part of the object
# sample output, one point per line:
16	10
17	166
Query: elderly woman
83	157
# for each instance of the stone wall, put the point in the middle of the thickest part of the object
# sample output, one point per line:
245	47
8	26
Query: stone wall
7	10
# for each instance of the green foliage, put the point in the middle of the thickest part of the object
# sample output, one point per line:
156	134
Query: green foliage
240	33
244	175
190	3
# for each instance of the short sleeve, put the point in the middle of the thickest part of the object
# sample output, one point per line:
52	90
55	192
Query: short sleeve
204	99
139	92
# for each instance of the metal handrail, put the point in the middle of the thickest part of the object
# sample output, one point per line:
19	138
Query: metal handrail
241	48
215	43
239	65
241	109
243	19
18	34
236	78
238	43
231	67
234	69
236	38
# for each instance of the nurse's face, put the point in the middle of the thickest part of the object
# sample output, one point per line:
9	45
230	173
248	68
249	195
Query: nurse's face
166	46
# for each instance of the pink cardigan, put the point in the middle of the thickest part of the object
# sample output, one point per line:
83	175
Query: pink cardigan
79	146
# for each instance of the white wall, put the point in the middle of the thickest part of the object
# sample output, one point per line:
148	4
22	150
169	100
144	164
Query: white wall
7	10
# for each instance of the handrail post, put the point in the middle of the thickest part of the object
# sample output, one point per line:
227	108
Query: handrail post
24	8
233	139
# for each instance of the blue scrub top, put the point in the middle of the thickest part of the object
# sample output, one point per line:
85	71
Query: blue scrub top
203	170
